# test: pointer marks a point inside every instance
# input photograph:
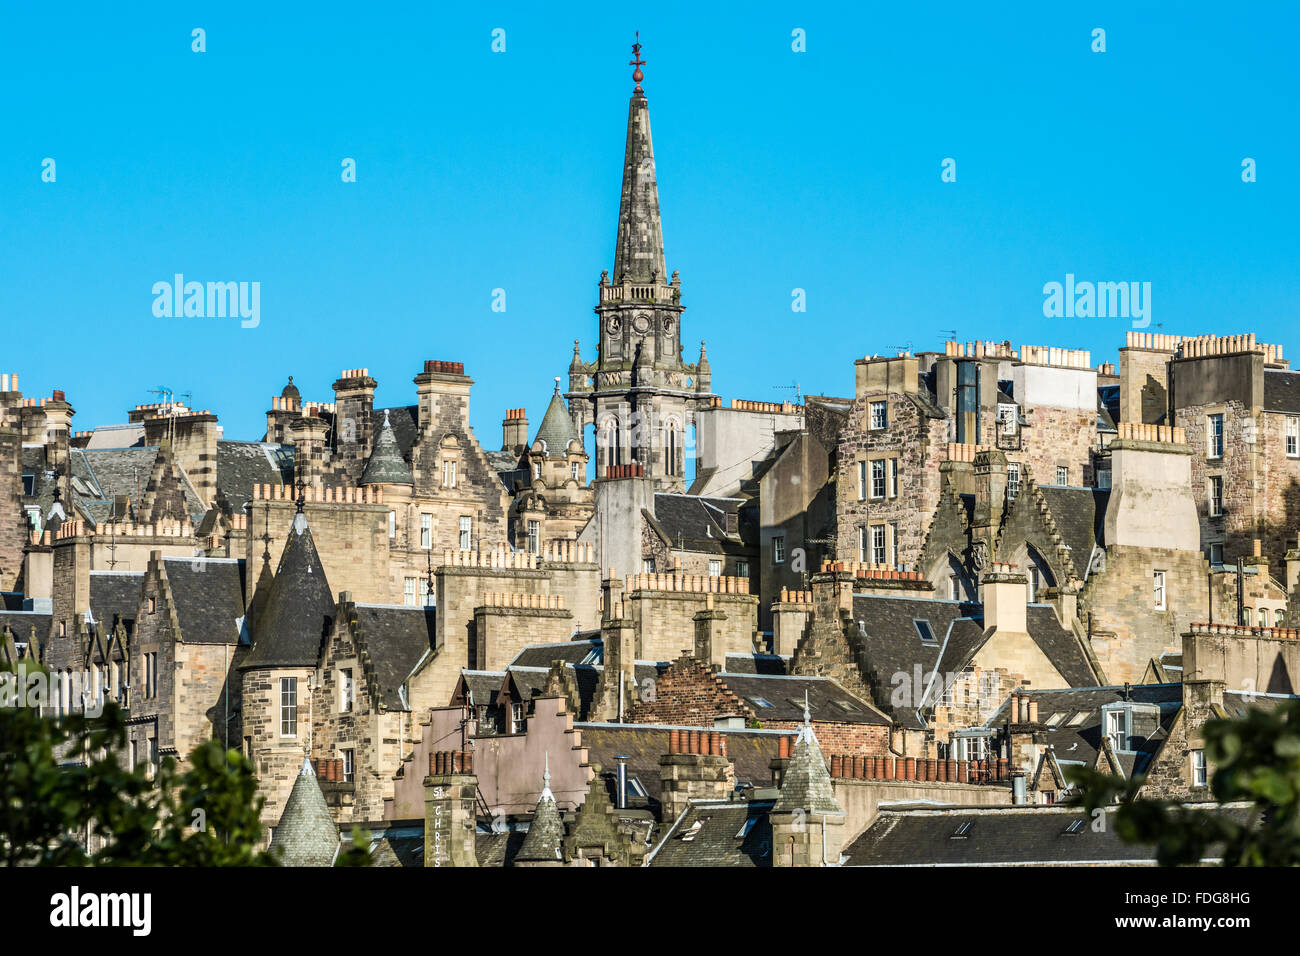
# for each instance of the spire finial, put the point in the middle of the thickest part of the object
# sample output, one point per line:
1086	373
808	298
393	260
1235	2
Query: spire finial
546	779
557	385
637	62
386	425
807	715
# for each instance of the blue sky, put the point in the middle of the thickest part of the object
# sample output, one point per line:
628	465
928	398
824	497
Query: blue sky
478	170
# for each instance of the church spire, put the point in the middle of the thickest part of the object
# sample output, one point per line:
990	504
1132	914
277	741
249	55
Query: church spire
639	252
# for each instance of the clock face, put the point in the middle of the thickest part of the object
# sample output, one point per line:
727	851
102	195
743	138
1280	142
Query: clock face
641	324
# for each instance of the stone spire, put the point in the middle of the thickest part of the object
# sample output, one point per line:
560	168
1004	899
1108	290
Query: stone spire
545	835
306	834
386	464
639	252
557	430
807	785
290	626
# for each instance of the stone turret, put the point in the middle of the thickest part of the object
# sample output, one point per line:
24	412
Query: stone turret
306	835
807	820
544	844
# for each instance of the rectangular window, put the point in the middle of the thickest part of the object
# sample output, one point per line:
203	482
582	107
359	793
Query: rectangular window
1007	418
877	544
1013	480
426	531
410	588
1216	554
392	524
1216	495
346	690
534	537
135	754
349	756
1293	437
893	544
1214	436
574	468
862	481
517	718
1062	475
449	473
878	478
862	544
893	477
153	756
1158	587
1200	771
426	593
778	550
1117	729
1103	478
879	416
466	532
648	565
742	569
715	569
288	706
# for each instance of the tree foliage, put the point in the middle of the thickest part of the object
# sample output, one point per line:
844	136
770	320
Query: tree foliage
63	782
1253	759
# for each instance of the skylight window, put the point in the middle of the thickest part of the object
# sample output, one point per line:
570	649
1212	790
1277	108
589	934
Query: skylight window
925	631
746	827
1075	827
963	830
761	701
1055	719
1077	719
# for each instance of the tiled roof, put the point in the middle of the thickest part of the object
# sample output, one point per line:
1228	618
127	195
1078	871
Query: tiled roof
699	524
1281	391
115	594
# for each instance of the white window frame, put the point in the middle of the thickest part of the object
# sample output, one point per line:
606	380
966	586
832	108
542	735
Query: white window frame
426	531
1214	435
1292	437
449	472
1159	592
347	690
879	479
409	591
893	477
862	481
778	549
1200	770
879	538
349	757
715	569
392	524
879	415
1214	491
534	537
1062	474
289	706
466	537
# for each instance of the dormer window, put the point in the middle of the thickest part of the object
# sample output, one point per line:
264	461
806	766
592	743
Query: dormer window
1116	729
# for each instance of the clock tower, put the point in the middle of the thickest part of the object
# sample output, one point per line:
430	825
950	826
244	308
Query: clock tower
639	396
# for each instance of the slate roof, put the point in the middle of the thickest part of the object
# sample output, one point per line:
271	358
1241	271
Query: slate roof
404	420
22	622
714	833
291	626
827	700
243	464
396	638
1002	836
1060	645
891	643
532	680
386	464
757	663
556	430
1080	741
1080	514
590	651
698	524
545	837
109	472
1281	391
751	753
209	598
115	593
806	783
116	436
306	834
